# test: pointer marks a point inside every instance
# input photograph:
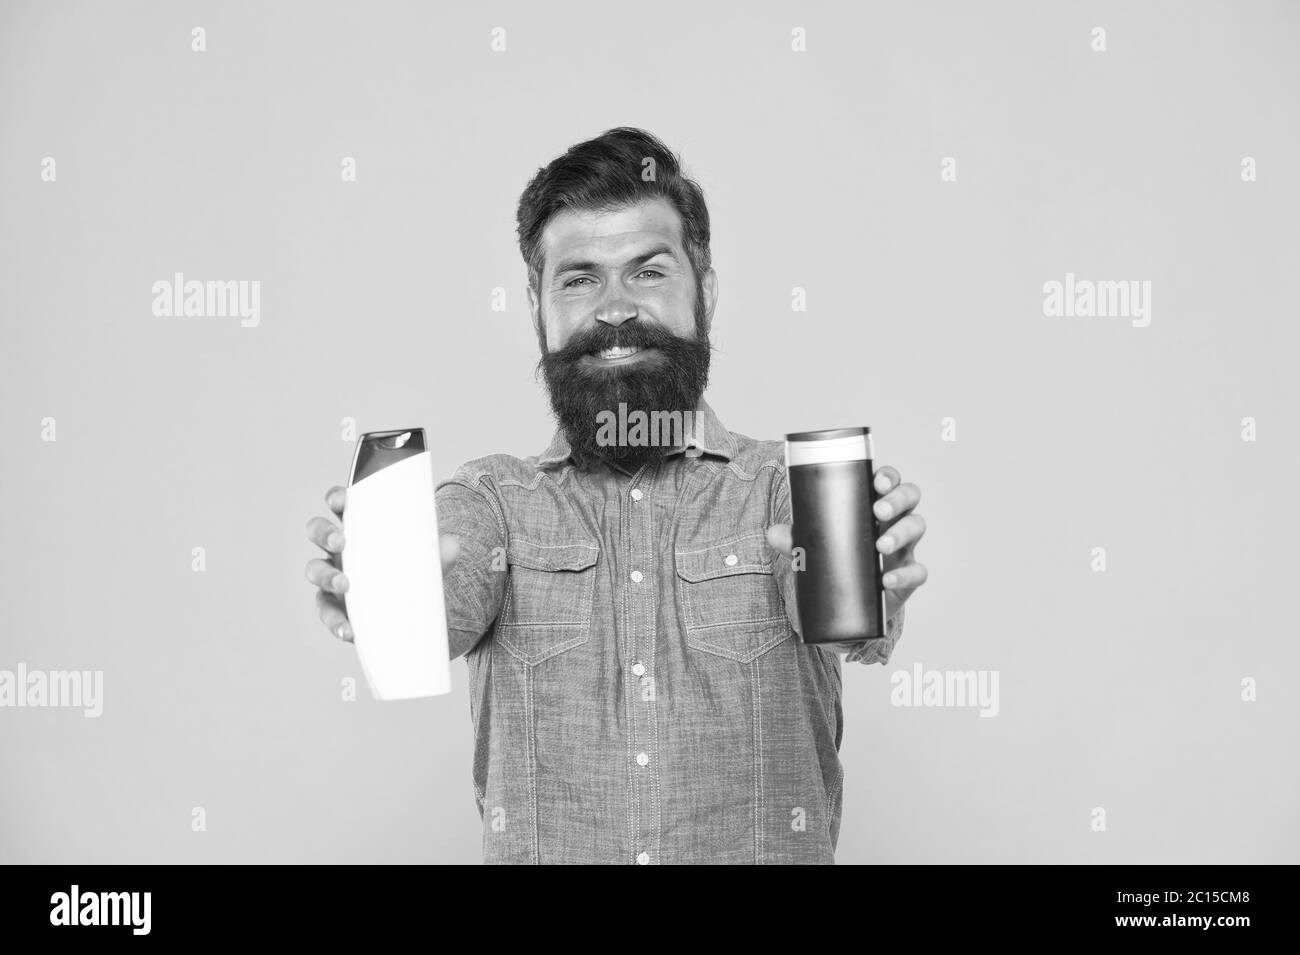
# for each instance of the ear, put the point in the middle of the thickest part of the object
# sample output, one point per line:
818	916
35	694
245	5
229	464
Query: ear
535	311
533	303
710	288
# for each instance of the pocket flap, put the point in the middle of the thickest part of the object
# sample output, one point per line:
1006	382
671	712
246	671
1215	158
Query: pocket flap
578	555
744	554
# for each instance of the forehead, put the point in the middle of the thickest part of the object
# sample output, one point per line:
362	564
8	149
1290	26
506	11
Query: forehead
610	234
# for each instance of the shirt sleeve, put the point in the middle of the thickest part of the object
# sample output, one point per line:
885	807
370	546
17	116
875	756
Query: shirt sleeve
474	586
783	569
870	651
879	651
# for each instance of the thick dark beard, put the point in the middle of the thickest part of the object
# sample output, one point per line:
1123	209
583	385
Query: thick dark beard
673	380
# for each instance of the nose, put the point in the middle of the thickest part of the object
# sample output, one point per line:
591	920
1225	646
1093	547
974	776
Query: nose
616	311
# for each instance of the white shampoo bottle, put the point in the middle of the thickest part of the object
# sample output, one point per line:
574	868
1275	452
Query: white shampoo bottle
391	558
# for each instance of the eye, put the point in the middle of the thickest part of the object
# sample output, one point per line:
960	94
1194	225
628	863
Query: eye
580	278
652	272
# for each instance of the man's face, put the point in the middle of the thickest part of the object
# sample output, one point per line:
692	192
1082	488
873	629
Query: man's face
621	318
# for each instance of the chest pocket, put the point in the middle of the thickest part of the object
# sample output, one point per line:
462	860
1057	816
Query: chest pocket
548	601
730	599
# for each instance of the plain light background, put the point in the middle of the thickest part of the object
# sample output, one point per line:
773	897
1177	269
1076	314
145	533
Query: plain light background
1119	690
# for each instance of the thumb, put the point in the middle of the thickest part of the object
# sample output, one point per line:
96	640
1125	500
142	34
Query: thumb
778	535
449	545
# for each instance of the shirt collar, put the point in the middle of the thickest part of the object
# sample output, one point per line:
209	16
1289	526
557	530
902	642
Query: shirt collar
706	435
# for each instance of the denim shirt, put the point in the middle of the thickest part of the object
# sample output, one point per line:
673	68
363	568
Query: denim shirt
639	690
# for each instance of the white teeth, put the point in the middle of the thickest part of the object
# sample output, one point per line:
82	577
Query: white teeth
616	352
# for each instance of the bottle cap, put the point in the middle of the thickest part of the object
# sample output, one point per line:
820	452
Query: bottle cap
826	447
827	435
376	450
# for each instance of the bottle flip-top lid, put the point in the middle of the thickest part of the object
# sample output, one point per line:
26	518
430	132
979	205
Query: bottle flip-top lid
826	447
376	450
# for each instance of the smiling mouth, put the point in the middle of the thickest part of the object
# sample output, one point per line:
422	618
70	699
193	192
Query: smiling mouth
617	356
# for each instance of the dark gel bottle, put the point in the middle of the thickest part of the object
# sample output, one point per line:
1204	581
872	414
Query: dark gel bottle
832	497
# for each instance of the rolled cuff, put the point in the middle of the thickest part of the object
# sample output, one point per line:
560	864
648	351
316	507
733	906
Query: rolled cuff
879	651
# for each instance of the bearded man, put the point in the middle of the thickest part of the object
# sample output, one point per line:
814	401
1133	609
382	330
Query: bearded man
639	688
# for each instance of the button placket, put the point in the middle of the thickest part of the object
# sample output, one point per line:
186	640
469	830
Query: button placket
643	726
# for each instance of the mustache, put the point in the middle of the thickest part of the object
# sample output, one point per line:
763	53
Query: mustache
627	335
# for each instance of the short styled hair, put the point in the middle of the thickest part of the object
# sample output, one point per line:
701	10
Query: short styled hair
606	173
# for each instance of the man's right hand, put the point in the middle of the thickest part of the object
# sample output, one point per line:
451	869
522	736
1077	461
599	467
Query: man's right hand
330	581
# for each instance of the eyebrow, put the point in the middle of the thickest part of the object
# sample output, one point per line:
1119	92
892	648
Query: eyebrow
586	265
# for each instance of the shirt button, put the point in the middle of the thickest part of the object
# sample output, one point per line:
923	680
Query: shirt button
643	859
638	669
636	577
642	759
731	560
636	494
